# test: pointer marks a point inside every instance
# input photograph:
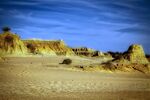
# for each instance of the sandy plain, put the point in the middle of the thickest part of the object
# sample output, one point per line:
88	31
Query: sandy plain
44	78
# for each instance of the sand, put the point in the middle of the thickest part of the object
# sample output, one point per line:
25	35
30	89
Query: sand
43	78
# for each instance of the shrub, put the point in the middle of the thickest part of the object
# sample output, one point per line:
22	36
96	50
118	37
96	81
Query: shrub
6	29
31	47
115	55
67	61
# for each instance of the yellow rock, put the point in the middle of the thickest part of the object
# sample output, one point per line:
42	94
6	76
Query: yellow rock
10	44
84	51
135	54
47	47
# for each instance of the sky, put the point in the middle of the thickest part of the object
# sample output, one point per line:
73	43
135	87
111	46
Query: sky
105	25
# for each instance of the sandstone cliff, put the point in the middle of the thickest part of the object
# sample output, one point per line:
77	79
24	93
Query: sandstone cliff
47	47
10	44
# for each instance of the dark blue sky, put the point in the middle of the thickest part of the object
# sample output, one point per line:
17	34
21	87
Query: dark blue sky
100	24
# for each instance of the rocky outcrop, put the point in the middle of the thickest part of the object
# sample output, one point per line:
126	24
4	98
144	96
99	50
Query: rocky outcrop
10	44
47	47
133	59
83	51
135	54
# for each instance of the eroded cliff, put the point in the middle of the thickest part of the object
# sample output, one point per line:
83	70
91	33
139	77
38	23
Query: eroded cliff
10	44
47	47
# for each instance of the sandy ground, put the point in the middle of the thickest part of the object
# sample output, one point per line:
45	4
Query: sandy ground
43	78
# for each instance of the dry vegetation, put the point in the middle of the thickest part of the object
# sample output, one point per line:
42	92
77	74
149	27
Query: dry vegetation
67	61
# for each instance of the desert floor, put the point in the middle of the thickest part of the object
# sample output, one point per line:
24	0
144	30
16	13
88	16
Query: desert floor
43	78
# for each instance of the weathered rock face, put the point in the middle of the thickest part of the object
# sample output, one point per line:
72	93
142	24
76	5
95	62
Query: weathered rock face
135	54
133	59
83	51
10	44
47	47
